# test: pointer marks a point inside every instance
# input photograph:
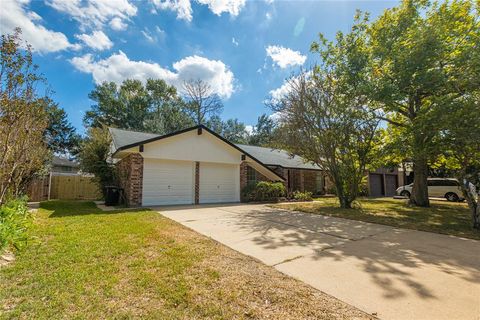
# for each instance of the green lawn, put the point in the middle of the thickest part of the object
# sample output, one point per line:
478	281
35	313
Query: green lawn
89	264
451	218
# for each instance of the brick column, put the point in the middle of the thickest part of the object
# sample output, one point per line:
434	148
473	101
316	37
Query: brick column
243	179
130	174
197	182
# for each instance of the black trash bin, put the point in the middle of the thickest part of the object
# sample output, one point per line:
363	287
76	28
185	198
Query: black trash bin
112	195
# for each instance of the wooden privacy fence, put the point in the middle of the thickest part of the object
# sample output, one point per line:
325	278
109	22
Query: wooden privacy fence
38	189
74	188
71	187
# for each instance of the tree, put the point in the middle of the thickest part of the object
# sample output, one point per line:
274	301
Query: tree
23	117
421	58
460	138
94	156
263	132
60	135
202	101
153	107
125	106
167	110
232	129
325	122
414	61
215	123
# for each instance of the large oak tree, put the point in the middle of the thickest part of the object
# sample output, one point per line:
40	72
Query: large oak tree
413	63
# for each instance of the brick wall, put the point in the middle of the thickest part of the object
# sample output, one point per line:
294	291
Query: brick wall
243	177
130	173
310	181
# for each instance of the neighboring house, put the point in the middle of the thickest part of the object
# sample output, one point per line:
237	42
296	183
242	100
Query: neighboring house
384	182
196	165
64	166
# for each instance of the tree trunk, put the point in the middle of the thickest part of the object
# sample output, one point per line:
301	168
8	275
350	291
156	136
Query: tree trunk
473	203
419	196
344	200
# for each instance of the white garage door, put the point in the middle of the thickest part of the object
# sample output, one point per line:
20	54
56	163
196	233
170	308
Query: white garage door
167	182
219	183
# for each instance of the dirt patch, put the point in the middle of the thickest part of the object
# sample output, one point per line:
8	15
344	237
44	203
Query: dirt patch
6	258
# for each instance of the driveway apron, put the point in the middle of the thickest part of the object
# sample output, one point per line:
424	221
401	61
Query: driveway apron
393	273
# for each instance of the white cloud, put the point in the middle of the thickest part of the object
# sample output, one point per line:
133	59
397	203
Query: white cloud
233	7
276	116
183	8
117	24
97	40
148	36
249	129
215	72
285	57
154	36
15	14
279	93
235	42
119	67
96	13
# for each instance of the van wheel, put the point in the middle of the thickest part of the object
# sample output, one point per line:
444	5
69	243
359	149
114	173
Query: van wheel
452	197
405	194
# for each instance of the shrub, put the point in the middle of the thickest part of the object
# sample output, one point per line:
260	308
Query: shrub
15	220
264	191
302	196
332	190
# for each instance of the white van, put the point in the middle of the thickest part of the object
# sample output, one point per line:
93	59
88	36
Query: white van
437	187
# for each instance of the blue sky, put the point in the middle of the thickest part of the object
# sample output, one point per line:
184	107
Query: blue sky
245	49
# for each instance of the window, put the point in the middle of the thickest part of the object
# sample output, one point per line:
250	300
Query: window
442	183
449	183
251	176
319	182
432	183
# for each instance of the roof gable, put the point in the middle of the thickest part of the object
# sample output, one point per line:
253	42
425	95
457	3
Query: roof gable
123	138
192	146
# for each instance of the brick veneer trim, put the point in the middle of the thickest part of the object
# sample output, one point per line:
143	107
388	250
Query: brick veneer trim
130	174
197	182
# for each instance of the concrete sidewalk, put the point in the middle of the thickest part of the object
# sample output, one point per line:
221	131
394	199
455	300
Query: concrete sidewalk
394	273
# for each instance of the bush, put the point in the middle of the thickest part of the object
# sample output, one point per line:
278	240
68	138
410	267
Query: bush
264	191
302	196
332	190
15	220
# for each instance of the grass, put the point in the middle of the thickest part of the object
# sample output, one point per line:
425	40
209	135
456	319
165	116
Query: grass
441	217
89	264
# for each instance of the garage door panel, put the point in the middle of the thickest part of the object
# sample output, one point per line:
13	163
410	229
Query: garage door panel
391	185
219	183
376	185
167	182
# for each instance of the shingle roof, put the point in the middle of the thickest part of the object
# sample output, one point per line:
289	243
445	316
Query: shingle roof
59	161
122	138
276	157
267	156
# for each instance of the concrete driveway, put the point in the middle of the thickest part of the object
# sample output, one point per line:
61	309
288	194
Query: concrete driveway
393	273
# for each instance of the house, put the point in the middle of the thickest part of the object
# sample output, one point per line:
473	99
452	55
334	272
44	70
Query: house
196	165
383	182
62	165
